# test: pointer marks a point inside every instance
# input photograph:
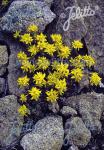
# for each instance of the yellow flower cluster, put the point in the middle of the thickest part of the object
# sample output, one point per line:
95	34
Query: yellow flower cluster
23	110
76	74
64	52
77	44
22	56
26	66
23	81
48	67
34	93
95	79
89	61
33	50
17	34
52	78
42	63
62	69
61	86
26	38
50	49
39	79
32	28
77	62
23	97
52	96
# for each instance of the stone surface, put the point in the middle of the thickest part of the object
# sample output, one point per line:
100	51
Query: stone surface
68	111
3	59
2	85
47	135
89	28
49	2
54	107
10	121
76	132
22	13
73	147
14	72
90	106
13	66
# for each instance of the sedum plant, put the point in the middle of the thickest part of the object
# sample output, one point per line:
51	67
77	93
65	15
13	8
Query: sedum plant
48	66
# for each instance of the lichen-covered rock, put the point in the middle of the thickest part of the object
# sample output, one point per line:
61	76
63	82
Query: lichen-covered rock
68	111
3	59
76	132
49	2
47	135
2	85
89	28
10	121
22	13
90	106
14	73
54	107
73	147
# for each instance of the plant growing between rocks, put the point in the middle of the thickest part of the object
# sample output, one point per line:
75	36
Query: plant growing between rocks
49	67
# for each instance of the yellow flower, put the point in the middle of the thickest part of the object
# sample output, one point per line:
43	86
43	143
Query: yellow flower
61	86
35	93
23	97
27	66
23	110
77	74
32	28
39	79
16	34
22	56
55	65
56	37
52	95
26	38
41	38
77	62
64	52
77	44
23	81
50	49
41	45
95	79
52	78
43	63
33	50
89	60
62	69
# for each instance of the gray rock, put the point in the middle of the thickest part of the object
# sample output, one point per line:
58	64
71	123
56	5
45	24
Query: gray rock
49	2
10	121
90	106
68	111
13	67
73	147
76	132
22	13
89	28
2	85
47	135
54	107
14	74
3	59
